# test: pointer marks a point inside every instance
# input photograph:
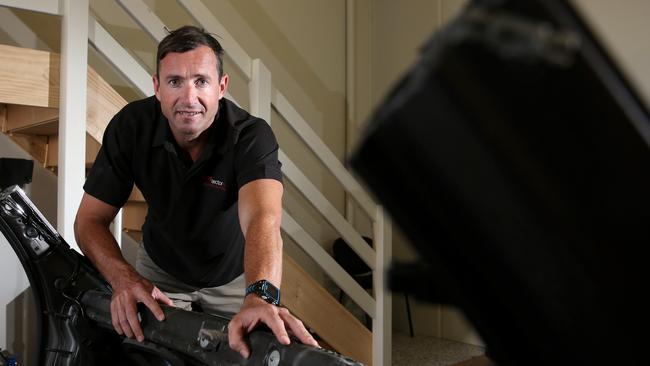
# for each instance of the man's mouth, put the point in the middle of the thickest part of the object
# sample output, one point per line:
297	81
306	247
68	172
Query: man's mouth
188	113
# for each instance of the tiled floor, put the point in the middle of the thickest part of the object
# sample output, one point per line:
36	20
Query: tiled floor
430	351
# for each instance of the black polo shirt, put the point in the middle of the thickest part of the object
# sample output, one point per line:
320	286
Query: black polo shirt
192	226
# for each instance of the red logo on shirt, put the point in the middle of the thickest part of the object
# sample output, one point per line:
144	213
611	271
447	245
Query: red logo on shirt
211	182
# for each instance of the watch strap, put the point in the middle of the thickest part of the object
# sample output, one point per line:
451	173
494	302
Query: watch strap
265	290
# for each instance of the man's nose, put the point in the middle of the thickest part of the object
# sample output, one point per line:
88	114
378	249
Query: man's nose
189	94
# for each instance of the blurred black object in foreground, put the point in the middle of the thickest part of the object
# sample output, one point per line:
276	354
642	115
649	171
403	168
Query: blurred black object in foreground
515	157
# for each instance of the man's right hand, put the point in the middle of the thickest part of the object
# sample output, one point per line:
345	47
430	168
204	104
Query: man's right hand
129	290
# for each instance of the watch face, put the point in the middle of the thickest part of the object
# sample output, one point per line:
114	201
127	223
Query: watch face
265	290
271	292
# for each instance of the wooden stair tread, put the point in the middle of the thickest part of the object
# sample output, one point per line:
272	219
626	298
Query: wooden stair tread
29	77
92	148
35	145
31	120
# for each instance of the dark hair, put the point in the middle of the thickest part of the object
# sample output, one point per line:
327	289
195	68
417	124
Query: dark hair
185	39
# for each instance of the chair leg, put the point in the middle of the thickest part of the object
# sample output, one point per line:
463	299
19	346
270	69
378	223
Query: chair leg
408	313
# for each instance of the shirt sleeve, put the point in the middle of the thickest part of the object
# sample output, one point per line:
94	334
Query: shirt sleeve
111	178
256	154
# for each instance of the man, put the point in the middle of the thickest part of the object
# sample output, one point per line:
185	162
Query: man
210	175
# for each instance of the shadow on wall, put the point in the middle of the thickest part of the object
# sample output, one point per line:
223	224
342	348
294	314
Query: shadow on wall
22	327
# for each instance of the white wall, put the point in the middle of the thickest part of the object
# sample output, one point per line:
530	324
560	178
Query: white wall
17	320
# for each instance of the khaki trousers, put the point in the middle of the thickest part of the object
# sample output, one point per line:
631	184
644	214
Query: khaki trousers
225	300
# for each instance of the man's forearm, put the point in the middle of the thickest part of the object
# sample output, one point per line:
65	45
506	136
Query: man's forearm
263	250
260	216
98	244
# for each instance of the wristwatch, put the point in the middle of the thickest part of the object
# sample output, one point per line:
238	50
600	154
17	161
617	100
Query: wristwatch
265	290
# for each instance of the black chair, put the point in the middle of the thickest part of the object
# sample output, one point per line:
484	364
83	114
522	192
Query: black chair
359	270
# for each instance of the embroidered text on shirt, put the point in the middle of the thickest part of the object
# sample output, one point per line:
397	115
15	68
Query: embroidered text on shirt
211	182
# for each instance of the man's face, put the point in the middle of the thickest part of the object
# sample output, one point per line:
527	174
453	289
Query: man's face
189	90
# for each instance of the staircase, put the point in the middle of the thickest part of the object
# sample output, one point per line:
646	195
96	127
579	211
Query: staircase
29	114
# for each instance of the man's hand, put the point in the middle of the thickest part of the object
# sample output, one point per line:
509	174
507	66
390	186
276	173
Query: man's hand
129	290
280	320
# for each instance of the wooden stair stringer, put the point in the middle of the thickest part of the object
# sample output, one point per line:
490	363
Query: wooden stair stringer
322	313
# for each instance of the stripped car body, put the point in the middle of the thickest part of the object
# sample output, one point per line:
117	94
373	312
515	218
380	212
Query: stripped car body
73	310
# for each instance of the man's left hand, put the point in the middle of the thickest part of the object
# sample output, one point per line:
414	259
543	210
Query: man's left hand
278	319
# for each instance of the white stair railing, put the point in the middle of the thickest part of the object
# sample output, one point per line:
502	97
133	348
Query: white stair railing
119	57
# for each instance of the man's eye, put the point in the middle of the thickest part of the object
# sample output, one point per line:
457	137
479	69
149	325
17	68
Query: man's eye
173	82
202	82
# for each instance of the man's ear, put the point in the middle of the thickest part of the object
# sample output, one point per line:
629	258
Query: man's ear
223	85
156	86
